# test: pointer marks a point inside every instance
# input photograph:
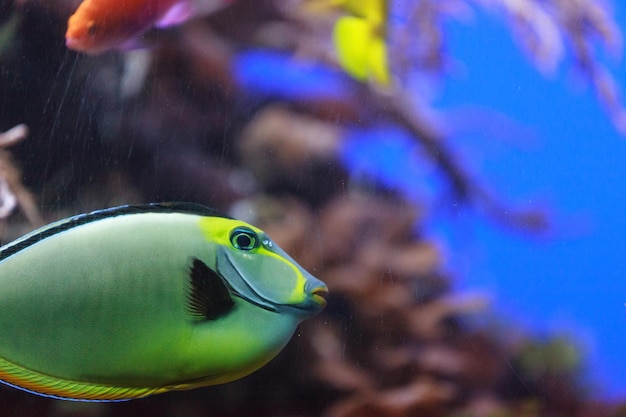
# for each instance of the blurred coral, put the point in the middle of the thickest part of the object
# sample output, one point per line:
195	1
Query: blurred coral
545	29
392	341
12	192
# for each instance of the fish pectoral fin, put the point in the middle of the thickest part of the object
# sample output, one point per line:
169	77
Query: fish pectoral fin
133	44
177	14
209	298
50	386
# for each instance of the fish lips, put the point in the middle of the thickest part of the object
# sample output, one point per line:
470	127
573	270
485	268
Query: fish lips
316	292
79	45
73	43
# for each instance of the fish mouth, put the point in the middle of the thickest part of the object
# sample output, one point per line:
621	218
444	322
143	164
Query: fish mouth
74	43
319	296
79	44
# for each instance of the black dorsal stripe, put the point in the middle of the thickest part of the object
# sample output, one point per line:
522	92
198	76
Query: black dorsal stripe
209	298
81	219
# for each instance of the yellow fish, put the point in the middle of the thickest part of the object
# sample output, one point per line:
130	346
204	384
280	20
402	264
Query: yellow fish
359	40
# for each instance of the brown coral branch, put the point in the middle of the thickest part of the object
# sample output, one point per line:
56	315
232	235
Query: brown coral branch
545	28
12	191
397	107
14	135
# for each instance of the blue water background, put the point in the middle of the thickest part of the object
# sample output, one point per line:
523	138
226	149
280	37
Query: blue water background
558	152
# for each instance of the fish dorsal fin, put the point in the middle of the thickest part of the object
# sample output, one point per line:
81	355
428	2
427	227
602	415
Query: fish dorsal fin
81	219
179	13
209	298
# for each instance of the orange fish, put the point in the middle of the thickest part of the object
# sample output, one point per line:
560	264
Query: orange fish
100	25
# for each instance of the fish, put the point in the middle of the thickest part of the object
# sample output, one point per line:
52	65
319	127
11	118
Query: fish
359	39
136	300
101	25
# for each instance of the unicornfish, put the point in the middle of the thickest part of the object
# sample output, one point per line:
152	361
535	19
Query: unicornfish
136	300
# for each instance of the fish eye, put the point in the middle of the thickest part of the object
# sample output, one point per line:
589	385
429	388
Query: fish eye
244	238
92	28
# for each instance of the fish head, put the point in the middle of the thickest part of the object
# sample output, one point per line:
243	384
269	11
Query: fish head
83	30
92	30
257	270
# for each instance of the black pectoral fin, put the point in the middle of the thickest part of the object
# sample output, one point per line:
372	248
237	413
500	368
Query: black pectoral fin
209	298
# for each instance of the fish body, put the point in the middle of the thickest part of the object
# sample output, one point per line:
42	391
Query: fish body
100	25
137	300
360	40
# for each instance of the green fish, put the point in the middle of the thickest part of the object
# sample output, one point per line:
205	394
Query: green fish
131	301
